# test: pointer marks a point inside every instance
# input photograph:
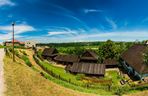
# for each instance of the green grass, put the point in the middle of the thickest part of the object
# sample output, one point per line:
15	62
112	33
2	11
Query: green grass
77	88
26	60
1	46
61	72
114	75
93	88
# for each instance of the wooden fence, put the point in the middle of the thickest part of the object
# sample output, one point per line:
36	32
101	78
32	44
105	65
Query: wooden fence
85	85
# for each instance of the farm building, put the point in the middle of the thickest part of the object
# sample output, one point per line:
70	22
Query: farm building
110	63
89	56
30	44
49	53
16	43
66	59
133	61
92	69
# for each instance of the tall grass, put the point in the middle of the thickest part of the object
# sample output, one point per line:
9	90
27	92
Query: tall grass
26	60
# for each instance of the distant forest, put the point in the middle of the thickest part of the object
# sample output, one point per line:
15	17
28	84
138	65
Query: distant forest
105	50
79	44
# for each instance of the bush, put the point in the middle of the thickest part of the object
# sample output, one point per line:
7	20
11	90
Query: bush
80	76
39	53
24	53
26	60
17	53
121	90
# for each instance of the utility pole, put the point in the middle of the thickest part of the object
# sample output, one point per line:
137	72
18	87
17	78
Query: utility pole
13	23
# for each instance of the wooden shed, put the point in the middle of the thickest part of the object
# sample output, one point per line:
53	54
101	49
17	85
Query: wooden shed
89	56
66	59
49	53
110	63
133	61
92	69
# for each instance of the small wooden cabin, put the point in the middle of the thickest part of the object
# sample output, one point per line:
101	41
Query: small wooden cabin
110	63
92	69
66	59
49	53
89	56
133	61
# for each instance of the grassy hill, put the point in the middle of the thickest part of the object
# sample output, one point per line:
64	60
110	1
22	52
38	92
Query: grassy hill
23	81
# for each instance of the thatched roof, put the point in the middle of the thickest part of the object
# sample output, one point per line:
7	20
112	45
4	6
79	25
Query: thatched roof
88	68
67	58
49	52
110	62
89	55
134	57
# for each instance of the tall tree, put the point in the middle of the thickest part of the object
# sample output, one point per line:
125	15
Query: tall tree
107	50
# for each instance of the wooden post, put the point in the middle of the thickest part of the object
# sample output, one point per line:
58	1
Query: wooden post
13	23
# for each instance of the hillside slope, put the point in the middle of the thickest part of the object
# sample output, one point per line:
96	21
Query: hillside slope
23	81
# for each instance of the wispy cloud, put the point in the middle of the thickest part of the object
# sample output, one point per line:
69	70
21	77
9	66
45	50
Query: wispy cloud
62	31
112	23
93	35
144	20
116	36
6	31
6	2
92	10
21	28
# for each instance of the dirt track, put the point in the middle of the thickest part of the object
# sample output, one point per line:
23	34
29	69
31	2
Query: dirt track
1	72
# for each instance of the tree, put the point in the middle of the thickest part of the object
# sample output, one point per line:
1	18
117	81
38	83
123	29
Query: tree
108	50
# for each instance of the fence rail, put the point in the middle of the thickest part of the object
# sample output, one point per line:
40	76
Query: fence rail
85	85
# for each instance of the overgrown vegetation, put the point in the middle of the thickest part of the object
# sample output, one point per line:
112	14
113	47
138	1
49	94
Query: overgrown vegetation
80	82
26	60
24	56
23	81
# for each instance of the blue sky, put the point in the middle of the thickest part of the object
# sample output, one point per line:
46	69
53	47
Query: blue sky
74	20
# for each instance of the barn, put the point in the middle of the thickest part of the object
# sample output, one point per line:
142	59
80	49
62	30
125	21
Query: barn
49	53
89	56
66	59
110	63
93	69
133	61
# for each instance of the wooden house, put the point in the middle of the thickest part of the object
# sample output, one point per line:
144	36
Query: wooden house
92	69
89	56
110	63
133	61
49	53
66	59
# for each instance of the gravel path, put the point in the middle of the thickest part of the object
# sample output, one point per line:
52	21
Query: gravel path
2	53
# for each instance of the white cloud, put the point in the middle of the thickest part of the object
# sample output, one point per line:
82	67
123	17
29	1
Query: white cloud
21	28
6	2
116	36
8	36
111	23
91	10
62	31
95	35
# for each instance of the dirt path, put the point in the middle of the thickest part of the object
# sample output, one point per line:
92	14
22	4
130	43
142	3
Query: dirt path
2	53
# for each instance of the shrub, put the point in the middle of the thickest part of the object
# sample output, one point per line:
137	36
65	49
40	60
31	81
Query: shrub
39	54
24	53
121	90
26	60
80	76
17	53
